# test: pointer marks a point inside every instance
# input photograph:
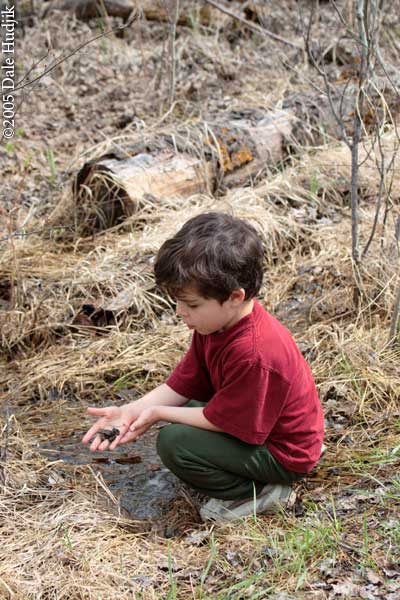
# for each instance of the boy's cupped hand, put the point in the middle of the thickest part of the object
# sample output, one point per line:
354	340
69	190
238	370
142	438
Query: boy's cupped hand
110	417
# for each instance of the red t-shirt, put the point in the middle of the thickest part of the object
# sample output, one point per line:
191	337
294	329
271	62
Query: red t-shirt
258	388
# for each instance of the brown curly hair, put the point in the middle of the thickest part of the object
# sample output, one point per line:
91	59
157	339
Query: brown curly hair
213	252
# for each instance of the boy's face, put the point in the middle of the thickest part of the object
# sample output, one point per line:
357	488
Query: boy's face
207	315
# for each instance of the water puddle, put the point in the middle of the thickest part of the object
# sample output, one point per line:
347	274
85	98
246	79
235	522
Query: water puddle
133	472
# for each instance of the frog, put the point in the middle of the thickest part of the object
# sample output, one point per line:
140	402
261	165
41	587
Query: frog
108	434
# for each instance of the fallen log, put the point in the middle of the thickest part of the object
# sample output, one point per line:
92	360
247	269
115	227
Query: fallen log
226	151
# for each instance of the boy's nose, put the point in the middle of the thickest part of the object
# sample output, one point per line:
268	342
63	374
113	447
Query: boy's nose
180	311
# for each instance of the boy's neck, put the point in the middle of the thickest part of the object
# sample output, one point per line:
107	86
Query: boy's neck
245	309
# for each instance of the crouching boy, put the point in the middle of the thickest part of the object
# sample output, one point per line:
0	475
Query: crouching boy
246	421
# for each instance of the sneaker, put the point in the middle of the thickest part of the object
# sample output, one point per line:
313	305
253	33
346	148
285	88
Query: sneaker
270	500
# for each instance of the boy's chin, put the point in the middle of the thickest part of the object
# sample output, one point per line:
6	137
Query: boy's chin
208	331
197	330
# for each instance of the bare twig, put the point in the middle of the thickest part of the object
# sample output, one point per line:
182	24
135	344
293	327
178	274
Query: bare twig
357	126
173	16
252	26
383	171
395	317
328	88
3	451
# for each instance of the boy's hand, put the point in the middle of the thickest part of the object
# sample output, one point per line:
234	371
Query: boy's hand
110	417
147	418
132	419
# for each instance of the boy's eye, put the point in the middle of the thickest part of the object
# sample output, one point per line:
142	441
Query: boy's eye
192	305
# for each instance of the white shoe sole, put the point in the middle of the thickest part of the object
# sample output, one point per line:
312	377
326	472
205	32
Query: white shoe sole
271	502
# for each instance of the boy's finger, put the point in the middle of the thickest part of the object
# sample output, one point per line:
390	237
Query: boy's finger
97	412
138	432
130	436
93	430
138	424
103	445
126	437
94	446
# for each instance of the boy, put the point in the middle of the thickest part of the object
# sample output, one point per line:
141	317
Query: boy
246	418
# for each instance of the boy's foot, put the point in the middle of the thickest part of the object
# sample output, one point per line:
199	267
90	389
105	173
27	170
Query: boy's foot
270	500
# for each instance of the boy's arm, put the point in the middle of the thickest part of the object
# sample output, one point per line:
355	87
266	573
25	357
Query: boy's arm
162	395
174	414
185	415
122	417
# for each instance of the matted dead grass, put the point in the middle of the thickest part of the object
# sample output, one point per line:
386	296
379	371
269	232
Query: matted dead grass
114	272
62	533
58	530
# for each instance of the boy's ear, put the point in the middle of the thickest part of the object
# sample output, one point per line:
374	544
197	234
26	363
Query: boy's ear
237	296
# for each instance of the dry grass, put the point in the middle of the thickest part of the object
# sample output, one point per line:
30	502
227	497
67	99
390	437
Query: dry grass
62	532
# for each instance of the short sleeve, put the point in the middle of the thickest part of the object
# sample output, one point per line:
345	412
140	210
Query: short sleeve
249	402
190	378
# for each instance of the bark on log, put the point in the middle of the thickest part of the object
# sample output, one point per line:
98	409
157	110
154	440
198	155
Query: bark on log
224	152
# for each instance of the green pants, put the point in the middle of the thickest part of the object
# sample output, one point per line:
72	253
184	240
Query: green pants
218	464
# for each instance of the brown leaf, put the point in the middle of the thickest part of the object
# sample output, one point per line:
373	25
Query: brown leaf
373	577
154	466
346	589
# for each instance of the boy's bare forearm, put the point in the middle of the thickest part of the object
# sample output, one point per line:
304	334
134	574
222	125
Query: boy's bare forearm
162	395
185	415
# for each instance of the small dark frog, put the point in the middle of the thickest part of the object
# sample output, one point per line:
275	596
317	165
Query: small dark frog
108	434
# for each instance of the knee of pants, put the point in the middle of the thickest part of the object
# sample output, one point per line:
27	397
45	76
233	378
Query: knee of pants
170	442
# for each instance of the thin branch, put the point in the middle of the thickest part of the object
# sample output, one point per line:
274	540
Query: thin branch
354	188
3	452
338	117
252	26
383	171
377	211
357	123
395	317
348	29
173	16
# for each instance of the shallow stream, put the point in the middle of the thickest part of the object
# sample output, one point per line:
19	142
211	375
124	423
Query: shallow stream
133	472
